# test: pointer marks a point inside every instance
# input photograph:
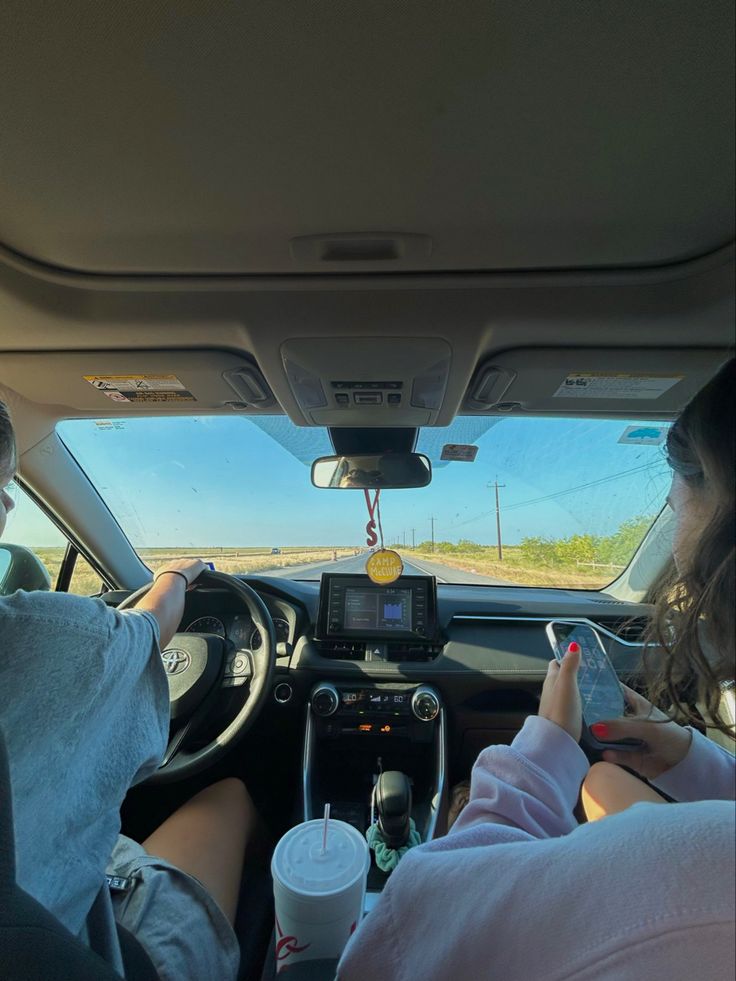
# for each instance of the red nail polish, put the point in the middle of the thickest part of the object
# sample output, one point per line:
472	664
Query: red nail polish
599	730
574	648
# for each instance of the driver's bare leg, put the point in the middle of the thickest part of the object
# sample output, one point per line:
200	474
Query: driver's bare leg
608	789
207	838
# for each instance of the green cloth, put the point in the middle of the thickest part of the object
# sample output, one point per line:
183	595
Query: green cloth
388	858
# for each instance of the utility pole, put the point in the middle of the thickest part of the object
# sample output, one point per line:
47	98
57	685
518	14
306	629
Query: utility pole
432	519
413	539
496	486
404	537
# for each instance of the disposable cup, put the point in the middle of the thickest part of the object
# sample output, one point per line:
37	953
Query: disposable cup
319	884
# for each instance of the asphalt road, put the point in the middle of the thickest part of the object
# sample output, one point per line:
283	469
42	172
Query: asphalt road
355	564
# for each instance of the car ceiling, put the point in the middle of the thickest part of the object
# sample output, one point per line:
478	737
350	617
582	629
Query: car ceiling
244	180
205	137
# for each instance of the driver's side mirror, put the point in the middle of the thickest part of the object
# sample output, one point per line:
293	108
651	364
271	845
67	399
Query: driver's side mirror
21	569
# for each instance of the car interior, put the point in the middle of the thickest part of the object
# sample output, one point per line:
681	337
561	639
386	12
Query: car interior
358	231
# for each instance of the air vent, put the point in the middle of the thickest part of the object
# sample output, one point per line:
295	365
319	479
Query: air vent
413	651
631	630
344	650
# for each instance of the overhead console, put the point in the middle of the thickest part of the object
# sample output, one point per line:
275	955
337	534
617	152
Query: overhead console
367	381
361	620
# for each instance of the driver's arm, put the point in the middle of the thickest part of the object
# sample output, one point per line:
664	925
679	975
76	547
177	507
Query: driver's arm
165	598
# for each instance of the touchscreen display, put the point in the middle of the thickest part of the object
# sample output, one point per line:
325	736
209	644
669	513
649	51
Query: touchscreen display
351	606
378	609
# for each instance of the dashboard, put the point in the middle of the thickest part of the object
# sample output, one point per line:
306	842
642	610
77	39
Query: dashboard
484	635
483	649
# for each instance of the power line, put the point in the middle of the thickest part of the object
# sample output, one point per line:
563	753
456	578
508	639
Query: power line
572	490
557	494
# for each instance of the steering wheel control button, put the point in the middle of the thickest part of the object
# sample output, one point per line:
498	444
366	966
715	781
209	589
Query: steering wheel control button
325	700
233	681
283	692
239	664
425	704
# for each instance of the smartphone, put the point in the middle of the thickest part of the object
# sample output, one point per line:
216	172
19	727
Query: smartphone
600	689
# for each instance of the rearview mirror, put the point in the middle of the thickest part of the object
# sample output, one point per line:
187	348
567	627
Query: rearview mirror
370	471
21	569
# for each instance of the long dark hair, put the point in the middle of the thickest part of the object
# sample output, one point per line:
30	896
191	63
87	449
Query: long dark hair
694	620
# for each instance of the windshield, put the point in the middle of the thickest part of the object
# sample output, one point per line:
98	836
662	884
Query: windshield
575	497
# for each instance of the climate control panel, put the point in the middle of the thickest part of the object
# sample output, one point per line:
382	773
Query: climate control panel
375	710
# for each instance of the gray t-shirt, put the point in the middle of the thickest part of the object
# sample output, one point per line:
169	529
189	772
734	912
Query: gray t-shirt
84	708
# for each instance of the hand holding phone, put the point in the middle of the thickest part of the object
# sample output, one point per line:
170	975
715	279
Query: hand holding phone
601	692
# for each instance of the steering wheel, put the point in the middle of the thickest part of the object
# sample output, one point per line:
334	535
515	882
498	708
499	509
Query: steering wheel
195	667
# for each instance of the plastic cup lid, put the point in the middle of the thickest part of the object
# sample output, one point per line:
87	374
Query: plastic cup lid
302	867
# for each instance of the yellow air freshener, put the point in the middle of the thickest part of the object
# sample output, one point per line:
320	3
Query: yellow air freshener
384	566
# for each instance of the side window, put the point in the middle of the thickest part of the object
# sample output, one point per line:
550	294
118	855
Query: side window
30	528
85	581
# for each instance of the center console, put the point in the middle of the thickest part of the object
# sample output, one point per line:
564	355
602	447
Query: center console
357	729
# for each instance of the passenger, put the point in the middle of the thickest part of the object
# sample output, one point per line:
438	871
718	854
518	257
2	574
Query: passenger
84	711
518	891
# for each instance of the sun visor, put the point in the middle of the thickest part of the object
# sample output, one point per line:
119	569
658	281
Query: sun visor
591	381
139	382
368	381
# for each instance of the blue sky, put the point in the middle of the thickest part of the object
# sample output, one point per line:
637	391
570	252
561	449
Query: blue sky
230	481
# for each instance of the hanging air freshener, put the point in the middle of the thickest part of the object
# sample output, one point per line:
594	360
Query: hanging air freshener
383	566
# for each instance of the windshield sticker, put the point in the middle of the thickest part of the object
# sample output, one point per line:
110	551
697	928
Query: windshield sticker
644	435
141	388
598	385
464	452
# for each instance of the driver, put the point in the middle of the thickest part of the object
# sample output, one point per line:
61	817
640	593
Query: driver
85	715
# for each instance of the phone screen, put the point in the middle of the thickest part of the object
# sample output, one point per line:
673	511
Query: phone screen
600	688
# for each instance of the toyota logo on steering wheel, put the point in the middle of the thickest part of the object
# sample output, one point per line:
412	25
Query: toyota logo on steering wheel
175	661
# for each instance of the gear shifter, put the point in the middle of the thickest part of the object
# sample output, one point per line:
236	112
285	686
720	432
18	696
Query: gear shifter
393	803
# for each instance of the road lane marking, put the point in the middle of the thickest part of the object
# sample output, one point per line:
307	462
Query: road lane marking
425	572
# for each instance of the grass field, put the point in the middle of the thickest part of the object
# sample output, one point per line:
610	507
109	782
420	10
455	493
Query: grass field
518	568
86	581
482	560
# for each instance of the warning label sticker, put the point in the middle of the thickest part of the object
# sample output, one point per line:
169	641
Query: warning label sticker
141	388
599	385
466	452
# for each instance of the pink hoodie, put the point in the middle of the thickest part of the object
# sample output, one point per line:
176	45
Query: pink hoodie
519	892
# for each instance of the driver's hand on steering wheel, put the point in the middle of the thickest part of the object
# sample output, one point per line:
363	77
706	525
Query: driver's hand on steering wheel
190	569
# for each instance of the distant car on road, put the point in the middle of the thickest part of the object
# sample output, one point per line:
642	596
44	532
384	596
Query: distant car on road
275	551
